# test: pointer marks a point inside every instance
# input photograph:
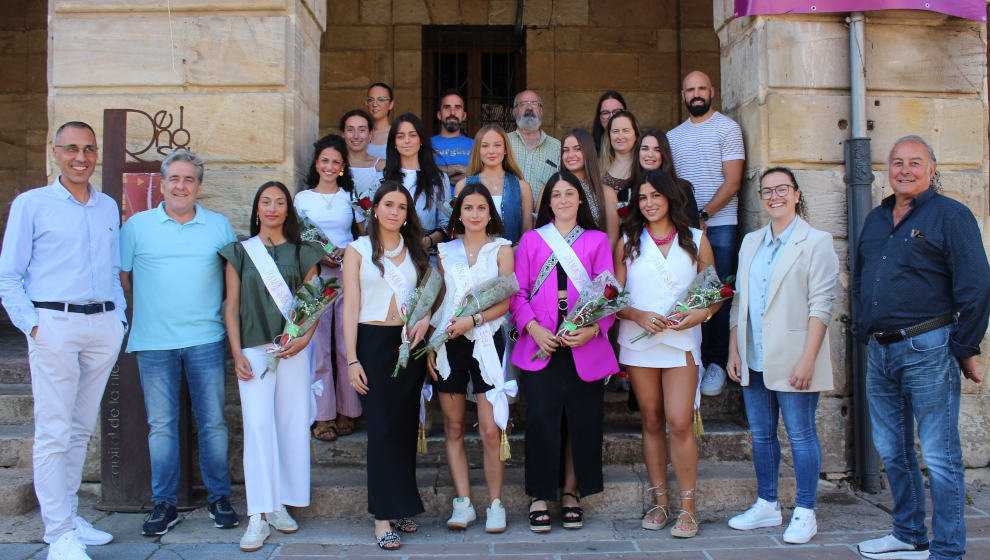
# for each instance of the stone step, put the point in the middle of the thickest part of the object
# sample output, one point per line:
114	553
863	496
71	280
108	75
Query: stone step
13	355
16	491
16	403
16	441
728	485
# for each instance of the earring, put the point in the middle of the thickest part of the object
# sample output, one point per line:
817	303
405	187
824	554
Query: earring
341	174
403	224
257	220
375	215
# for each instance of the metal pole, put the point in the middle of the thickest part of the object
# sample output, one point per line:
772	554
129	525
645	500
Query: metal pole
859	182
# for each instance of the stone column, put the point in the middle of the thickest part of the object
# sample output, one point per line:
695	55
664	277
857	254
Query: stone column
785	79
246	72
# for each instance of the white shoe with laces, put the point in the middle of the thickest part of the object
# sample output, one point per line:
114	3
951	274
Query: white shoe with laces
802	527
713	381
68	547
256	534
89	535
495	517
463	514
281	521
760	514
891	548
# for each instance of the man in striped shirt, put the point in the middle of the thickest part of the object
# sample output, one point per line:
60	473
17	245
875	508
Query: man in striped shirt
708	151
536	152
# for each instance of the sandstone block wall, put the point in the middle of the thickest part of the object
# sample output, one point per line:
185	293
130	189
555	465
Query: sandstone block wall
246	73
575	51
785	79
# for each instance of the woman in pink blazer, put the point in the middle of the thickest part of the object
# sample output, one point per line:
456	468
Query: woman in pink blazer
564	394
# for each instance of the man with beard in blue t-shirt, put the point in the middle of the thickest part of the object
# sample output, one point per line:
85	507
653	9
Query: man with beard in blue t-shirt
453	149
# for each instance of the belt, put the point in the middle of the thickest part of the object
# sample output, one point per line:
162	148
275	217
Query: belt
889	337
86	309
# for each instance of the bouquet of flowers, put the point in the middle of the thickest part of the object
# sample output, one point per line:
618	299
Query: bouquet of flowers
314	234
310	301
418	303
480	298
705	290
362	203
603	297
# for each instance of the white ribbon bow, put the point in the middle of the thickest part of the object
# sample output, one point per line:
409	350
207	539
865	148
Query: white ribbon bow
498	396
316	390
424	396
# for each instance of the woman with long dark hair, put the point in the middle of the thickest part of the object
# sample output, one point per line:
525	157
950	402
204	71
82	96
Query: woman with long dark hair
610	103
364	168
261	275
576	156
477	254
327	202
410	161
564	392
492	165
659	256
653	152
380	269
379	101
618	161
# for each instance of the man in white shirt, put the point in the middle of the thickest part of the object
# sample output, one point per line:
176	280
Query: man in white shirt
60	285
708	151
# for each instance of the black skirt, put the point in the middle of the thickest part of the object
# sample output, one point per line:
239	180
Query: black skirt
558	402
391	411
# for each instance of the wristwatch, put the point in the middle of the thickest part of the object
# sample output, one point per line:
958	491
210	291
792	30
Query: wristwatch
703	214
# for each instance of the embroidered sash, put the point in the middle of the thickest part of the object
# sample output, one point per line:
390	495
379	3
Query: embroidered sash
395	280
270	276
561	252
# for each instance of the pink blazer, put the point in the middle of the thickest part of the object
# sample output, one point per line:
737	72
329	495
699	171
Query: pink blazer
595	359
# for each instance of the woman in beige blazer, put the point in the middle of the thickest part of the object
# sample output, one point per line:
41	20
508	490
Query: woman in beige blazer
778	348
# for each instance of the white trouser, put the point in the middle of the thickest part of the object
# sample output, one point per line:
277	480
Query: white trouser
276	432
71	357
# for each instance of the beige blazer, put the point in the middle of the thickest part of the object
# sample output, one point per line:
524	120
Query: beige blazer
802	286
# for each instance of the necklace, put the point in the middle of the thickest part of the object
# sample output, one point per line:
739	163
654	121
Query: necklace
666	239
328	198
392	253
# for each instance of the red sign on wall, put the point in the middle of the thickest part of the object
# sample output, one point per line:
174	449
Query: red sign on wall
142	191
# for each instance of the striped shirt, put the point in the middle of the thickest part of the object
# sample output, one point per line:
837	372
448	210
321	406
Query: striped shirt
699	150
537	164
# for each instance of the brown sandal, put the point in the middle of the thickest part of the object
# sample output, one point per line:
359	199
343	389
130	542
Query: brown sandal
325	430
345	425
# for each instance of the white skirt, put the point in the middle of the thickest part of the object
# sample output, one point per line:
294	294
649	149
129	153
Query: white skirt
657	356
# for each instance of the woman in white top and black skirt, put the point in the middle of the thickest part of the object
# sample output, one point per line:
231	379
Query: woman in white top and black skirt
478	254
379	270
658	257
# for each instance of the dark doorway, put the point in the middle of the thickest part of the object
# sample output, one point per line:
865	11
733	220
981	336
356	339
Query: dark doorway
485	63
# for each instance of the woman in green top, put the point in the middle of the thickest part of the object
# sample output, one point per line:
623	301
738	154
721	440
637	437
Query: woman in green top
261	273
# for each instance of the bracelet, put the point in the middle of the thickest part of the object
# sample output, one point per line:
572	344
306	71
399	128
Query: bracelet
709	317
352	362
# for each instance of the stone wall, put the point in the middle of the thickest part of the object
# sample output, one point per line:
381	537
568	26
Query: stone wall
786	81
575	50
246	72
23	113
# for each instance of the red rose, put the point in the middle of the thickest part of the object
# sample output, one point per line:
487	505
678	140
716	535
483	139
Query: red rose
623	212
610	292
726	291
365	203
329	291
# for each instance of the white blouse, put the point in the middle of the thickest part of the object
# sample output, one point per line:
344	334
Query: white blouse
366	180
484	268
374	288
333	213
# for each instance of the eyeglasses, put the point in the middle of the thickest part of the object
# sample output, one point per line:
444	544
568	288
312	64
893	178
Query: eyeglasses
529	103
379	100
88	149
781	190
606	113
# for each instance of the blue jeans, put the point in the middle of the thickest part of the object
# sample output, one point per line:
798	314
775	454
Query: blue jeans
161	381
918	380
715	333
763	407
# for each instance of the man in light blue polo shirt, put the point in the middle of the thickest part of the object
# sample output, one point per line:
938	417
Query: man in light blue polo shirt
168	259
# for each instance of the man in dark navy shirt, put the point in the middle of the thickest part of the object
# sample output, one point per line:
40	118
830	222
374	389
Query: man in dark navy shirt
922	292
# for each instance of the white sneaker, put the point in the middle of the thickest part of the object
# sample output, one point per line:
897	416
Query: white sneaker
761	514
713	381
892	548
68	547
89	535
256	534
282	521
802	527
463	514
495	517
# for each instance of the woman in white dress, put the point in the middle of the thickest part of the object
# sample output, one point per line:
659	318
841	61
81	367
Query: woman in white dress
478	253
658	257
365	169
327	203
379	102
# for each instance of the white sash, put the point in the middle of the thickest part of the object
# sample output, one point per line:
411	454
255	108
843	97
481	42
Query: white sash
568	259
650	253
272	278
395	280
663	294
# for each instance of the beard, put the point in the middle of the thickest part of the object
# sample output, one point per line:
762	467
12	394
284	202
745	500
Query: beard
529	121
698	110
451	124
